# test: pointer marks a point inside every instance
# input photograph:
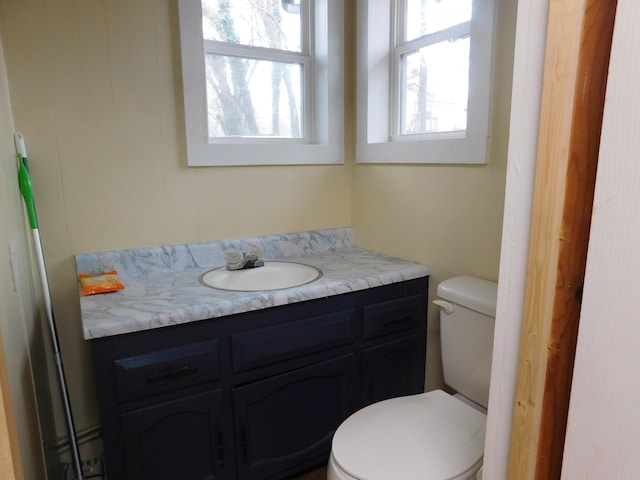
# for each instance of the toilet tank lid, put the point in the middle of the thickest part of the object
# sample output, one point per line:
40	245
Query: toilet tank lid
474	293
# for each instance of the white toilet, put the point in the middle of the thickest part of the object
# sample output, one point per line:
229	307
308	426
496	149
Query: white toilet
433	435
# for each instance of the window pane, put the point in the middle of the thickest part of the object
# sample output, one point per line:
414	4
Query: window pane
434	88
429	16
253	98
257	23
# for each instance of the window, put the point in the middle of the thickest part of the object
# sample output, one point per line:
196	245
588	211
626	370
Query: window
424	80
262	81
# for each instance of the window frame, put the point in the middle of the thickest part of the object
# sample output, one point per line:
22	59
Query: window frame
323	113
378	106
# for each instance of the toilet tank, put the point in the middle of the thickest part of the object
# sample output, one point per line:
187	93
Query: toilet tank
467	318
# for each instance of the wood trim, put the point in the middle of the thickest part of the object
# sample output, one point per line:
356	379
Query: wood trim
576	65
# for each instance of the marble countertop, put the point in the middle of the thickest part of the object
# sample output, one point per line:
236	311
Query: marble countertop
162	283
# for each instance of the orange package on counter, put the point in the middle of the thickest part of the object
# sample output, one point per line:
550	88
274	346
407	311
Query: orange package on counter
100	283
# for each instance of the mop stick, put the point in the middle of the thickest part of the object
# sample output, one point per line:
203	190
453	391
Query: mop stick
27	192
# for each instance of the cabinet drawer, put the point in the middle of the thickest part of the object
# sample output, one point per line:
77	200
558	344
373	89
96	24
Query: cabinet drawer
267	345
165	370
394	316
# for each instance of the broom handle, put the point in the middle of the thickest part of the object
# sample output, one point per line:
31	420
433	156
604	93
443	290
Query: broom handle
27	193
46	294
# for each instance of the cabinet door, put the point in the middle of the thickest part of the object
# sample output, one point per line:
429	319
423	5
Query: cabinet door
394	369
181	439
286	422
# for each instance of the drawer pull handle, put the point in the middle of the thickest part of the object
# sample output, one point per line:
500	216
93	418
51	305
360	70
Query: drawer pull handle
171	372
398	320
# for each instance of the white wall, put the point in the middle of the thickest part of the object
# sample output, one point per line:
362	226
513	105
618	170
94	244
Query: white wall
603	433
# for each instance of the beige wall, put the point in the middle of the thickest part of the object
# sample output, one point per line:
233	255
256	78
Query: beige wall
20	331
96	89
449	217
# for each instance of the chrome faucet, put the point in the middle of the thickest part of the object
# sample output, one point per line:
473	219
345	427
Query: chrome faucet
240	261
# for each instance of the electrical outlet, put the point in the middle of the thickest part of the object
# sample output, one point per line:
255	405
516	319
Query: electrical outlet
93	469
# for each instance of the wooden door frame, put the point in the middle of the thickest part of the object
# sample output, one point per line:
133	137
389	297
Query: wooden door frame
576	65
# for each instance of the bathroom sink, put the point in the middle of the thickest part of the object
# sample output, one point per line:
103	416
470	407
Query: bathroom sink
271	276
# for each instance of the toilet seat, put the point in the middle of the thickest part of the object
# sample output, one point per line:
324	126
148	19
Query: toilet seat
428	436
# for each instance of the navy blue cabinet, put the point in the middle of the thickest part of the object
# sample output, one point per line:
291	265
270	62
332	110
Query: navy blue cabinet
181	438
389	369
255	395
315	398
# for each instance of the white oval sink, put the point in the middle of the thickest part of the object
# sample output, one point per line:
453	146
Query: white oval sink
271	276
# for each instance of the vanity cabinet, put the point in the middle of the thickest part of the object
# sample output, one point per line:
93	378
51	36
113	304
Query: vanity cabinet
256	395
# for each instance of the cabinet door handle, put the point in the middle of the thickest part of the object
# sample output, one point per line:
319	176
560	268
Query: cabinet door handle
220	446
369	391
398	320
171	372
244	443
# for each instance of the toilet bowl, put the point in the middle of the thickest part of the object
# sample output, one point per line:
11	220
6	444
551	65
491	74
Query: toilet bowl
416	437
433	435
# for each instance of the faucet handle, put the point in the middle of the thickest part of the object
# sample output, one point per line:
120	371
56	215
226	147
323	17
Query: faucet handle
233	256
259	254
